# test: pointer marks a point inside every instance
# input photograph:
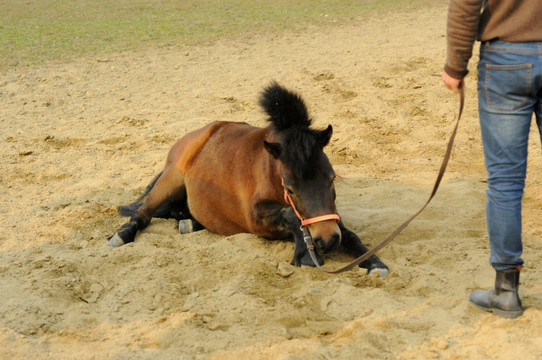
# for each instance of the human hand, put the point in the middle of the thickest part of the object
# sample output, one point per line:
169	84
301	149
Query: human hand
451	82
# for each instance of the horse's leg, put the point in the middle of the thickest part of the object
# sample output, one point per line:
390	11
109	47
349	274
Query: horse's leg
355	247
276	216
170	184
301	253
189	225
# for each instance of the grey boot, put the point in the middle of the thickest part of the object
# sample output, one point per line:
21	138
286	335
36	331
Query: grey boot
503	300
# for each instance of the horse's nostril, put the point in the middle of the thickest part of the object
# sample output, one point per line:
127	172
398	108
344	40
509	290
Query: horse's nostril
334	241
331	244
319	243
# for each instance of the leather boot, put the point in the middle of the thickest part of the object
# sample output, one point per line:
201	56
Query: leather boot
503	300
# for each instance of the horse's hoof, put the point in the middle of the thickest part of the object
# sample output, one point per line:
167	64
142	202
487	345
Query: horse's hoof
380	271
116	240
186	226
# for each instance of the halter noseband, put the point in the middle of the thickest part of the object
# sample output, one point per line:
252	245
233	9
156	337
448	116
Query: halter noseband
289	201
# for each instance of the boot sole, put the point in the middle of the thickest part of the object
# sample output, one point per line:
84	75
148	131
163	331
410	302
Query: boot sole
507	314
501	313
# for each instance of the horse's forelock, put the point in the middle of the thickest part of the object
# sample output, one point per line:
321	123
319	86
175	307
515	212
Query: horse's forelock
301	146
301	151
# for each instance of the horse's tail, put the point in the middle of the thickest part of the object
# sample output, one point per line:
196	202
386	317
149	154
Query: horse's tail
172	208
129	210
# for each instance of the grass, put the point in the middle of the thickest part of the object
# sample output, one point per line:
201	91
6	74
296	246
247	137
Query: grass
36	31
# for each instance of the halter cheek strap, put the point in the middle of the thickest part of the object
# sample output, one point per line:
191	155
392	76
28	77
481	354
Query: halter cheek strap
305	222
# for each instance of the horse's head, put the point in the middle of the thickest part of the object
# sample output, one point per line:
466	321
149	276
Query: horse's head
307	177
306	172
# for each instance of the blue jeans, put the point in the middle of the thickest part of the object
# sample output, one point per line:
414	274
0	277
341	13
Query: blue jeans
509	92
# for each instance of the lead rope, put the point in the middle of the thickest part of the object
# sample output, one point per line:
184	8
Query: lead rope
308	239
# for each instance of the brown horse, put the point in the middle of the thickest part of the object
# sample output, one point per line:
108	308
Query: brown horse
234	178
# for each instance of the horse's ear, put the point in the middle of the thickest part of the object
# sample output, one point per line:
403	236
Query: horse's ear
325	135
275	149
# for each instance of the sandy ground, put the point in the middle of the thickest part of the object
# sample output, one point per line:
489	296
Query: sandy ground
77	139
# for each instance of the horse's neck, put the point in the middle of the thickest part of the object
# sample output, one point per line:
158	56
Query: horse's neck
270	165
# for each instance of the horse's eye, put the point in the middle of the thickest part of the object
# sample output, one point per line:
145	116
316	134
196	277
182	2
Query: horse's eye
289	191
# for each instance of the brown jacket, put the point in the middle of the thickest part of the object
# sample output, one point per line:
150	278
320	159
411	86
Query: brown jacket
485	20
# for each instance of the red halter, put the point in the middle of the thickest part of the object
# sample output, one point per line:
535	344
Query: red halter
313	220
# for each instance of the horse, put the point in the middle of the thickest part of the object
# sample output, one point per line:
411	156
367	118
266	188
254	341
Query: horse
231	177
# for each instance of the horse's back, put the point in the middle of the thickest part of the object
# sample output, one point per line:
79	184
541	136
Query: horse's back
187	147
215	137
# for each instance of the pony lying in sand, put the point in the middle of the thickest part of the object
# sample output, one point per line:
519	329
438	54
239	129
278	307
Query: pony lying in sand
230	178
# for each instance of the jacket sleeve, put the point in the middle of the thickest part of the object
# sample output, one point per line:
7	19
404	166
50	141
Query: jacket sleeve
461	32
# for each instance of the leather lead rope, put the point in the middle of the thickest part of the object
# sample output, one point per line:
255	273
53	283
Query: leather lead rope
308	239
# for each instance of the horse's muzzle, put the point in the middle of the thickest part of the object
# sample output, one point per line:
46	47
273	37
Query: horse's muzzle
328	245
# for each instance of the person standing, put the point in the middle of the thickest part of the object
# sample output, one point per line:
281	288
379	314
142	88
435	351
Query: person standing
509	93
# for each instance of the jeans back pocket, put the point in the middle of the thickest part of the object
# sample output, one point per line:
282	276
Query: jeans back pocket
507	87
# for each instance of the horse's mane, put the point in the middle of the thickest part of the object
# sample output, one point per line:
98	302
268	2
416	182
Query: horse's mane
285	108
289	119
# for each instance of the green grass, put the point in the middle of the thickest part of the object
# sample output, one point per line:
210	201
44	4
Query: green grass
36	31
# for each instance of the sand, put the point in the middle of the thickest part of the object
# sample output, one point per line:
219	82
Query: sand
79	138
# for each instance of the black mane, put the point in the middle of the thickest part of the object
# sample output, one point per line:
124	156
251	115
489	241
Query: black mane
288	115
285	109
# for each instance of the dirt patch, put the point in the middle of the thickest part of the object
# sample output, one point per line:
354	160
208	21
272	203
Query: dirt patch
80	138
